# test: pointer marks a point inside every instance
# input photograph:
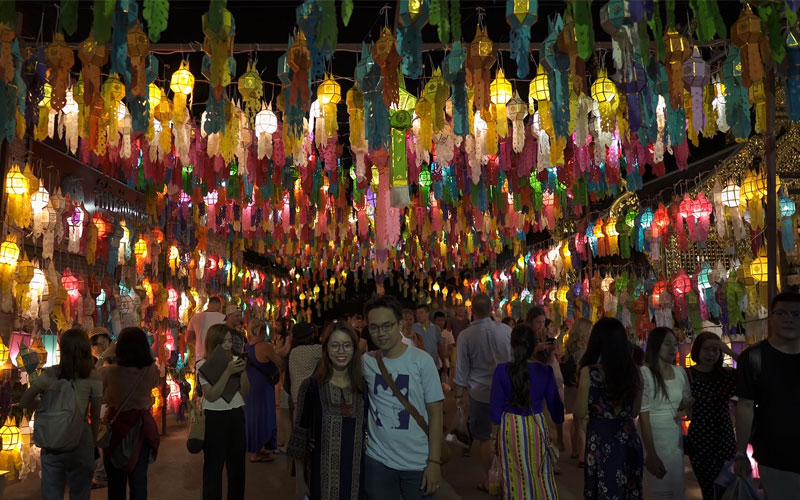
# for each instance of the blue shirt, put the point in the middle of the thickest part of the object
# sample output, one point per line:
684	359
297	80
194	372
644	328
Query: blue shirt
542	388
432	337
480	347
395	438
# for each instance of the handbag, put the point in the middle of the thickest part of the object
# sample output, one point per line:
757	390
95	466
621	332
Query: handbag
444	447
104	431
197	430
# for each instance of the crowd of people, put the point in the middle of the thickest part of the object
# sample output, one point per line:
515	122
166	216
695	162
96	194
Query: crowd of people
362	404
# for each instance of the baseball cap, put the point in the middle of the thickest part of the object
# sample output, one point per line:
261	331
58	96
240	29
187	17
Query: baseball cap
231	309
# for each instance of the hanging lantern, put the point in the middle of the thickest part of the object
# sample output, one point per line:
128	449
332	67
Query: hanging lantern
517	111
696	75
9	251
746	35
759	269
329	94
10	435
500	93
480	59
138	50
266	124
3	352
677	51
182	84
251	88
603	89
539	89
520	16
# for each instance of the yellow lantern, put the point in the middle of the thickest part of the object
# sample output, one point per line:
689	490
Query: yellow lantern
329	95
603	89
182	84
154	97
9	433
759	268
16	183
3	352
500	93
9	251
38	347
539	89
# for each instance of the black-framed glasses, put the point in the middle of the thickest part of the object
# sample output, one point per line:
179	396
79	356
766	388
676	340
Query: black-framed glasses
385	327
343	346
787	314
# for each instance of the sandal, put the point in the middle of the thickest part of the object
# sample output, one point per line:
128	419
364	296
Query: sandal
255	458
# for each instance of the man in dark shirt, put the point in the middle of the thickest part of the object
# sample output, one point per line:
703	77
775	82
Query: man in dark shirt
769	402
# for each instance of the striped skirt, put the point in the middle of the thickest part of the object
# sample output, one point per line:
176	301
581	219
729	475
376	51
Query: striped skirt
527	467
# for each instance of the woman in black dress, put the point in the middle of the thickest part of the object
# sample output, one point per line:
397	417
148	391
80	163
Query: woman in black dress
711	441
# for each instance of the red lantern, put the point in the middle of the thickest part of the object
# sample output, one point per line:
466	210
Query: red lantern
69	281
659	289
101	225
681	284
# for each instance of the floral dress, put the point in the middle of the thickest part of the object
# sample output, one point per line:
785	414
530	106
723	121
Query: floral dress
614	455
711	441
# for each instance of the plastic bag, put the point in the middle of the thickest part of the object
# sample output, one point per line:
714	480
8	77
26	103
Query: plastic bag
729	486
495	478
459	435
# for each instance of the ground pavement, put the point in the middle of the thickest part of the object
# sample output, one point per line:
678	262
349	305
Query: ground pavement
177	475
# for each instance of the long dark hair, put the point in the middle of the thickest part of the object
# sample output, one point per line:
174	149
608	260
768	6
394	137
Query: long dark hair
609	346
76	355
697	346
324	370
651	358
522	345
133	349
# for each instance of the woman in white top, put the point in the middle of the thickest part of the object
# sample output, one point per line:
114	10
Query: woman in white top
666	399
225	441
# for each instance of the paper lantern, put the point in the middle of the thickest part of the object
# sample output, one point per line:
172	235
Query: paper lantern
126	304
38	347
16	183
9	251
329	91
182	84
500	89
211	198
140	248
681	284
787	206
425	179
603	89
40	199
266	122
153	96
539	89
746	34
182	81
38	281
500	94
759	269
3	352
9	433
731	195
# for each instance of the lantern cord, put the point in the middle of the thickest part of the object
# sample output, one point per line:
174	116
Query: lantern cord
481	12
385	11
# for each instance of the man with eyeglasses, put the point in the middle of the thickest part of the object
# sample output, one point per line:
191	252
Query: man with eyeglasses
401	460
768	410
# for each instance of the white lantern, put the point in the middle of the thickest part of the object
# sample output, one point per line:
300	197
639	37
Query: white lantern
211	198
40	199
730	195
71	107
479	124
266	122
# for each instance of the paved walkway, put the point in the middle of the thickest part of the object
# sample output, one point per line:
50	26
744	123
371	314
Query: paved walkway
177	475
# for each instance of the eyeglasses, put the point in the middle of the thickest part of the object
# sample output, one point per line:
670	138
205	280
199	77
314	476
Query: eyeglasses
385	328
345	346
787	314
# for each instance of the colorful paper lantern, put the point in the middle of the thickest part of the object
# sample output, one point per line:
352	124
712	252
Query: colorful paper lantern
10	435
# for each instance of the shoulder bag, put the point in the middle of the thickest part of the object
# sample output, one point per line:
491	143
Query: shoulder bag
444	447
104	432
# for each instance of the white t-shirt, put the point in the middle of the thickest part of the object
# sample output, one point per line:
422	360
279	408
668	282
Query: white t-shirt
220	404
395	438
200	323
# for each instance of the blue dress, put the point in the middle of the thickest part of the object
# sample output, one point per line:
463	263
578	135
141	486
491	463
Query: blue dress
614	455
259	406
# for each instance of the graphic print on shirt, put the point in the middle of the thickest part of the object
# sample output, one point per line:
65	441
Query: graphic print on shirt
391	415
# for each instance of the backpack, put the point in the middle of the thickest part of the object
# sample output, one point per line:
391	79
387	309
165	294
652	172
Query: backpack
59	419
